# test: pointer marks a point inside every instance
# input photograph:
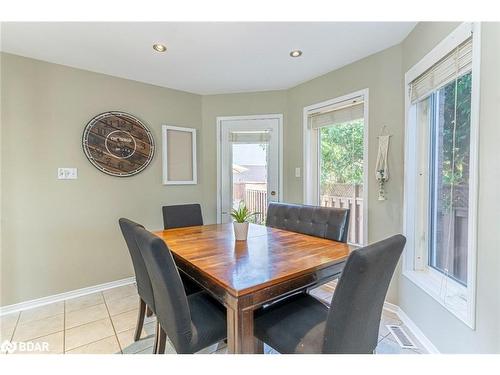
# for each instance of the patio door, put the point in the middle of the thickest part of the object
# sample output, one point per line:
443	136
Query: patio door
249	164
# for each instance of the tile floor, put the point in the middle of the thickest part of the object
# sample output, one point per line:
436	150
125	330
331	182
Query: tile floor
103	323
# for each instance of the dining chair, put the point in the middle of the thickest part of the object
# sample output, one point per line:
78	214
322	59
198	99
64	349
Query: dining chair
144	288
324	222
182	215
302	324
193	321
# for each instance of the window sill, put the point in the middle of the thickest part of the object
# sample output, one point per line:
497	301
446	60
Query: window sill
450	294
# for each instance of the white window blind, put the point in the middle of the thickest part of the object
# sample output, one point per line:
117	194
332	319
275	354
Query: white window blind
452	66
346	113
249	137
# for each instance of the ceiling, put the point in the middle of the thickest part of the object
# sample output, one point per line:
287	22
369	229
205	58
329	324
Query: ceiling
204	57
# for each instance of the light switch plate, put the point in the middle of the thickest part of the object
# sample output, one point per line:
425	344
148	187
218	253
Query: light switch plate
297	172
67	173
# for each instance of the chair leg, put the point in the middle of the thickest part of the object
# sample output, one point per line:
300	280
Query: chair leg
140	320
162	340
149	312
157	335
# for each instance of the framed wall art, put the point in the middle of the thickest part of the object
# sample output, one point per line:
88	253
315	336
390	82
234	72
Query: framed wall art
118	144
179	155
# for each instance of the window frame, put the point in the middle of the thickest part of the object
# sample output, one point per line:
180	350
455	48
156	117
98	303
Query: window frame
311	151
415	256
165	156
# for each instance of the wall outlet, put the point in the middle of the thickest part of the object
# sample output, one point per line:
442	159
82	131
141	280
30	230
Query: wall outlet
67	173
297	172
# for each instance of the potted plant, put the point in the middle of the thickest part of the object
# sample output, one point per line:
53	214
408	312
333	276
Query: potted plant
241	217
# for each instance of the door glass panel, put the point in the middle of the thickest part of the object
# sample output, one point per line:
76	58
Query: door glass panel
341	172
249	176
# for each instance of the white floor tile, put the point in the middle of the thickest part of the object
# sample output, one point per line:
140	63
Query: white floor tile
41	312
84	302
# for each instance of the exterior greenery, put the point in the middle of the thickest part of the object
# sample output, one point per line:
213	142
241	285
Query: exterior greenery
341	151
456	139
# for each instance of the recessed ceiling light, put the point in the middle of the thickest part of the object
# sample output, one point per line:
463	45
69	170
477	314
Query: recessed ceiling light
296	53
159	47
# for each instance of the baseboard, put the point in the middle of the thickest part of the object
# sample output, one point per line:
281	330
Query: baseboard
426	343
391	307
63	296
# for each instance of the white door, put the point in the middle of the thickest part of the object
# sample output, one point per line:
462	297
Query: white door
249	170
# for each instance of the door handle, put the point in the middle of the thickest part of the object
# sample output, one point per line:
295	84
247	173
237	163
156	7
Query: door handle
273	193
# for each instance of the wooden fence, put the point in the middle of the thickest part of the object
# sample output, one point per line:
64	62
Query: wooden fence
354	203
452	232
256	201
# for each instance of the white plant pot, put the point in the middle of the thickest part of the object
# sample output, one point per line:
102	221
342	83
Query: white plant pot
240	231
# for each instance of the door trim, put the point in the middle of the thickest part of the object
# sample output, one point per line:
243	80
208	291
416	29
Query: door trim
220	119
307	173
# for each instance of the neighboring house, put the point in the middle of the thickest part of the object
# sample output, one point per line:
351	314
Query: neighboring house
249	173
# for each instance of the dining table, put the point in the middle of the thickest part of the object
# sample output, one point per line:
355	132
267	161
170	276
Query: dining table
246	275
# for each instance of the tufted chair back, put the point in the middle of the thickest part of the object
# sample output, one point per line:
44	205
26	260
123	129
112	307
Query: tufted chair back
324	222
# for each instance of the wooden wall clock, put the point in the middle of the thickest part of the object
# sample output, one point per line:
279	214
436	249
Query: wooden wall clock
118	144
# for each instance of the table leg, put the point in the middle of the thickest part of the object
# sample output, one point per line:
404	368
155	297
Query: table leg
258	346
240	338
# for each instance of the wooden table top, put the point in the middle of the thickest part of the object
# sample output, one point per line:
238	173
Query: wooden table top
269	255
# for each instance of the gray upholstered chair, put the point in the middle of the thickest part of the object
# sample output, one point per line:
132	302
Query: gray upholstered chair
325	222
182	215
194	321
302	324
144	287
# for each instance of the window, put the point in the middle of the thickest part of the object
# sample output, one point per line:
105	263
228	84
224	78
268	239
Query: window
441	177
335	166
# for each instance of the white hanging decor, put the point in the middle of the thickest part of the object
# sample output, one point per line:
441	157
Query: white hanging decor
381	168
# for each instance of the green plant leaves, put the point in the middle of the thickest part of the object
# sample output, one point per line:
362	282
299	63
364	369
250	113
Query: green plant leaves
242	214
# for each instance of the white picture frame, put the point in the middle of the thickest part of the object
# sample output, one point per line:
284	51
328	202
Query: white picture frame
178	161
